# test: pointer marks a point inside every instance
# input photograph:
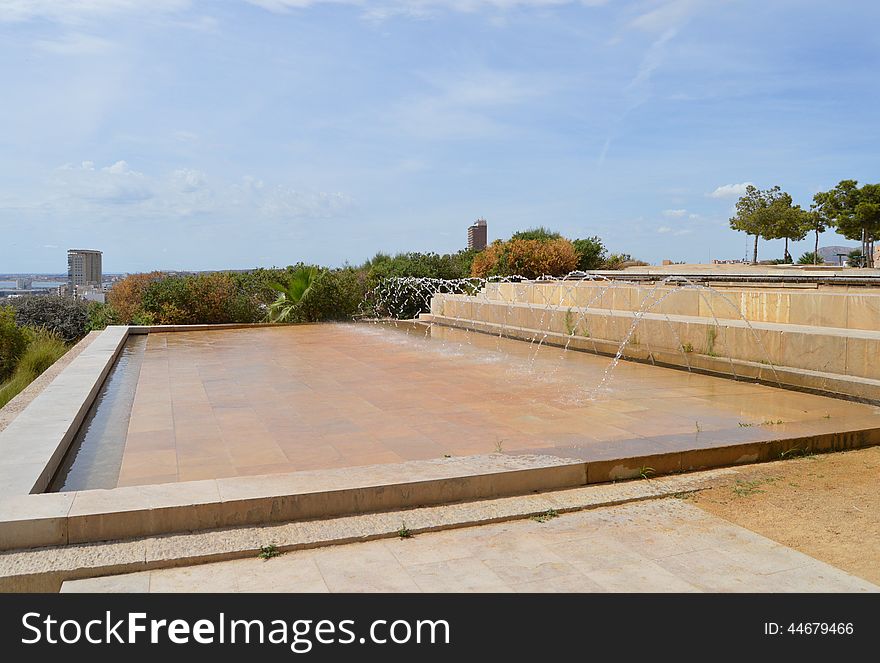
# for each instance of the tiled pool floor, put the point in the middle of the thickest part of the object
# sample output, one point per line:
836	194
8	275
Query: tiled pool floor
213	404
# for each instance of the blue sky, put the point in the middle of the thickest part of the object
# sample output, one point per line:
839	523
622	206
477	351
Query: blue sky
234	133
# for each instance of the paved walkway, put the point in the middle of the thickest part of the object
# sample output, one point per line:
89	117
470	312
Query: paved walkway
276	400
664	545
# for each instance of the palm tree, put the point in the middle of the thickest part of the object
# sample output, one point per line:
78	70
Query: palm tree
291	294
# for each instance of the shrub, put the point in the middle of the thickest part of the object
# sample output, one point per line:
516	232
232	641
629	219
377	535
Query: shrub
421	265
126	297
590	252
335	295
201	299
622	261
101	315
13	342
529	258
65	317
259	283
43	350
540	233
807	259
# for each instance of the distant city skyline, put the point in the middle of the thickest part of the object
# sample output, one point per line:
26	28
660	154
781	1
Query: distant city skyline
190	135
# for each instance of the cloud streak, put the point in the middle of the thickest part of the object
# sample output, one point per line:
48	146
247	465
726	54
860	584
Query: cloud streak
117	190
729	191
77	11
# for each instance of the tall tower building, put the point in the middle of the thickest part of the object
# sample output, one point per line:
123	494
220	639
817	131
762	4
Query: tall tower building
83	268
477	235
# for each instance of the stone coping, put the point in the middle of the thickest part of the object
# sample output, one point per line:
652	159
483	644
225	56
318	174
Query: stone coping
161	329
132	511
33	444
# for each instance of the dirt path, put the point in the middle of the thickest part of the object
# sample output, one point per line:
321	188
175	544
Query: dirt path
827	506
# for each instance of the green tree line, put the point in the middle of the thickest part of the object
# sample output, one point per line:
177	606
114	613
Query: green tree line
852	210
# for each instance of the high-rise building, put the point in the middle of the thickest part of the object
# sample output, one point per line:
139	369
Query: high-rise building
477	235
83	268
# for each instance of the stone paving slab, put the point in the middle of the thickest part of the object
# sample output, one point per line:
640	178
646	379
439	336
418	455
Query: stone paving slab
663	545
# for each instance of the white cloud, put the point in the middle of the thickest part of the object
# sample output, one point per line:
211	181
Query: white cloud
676	232
76	11
668	15
115	184
118	191
383	9
675	213
76	43
189	180
729	190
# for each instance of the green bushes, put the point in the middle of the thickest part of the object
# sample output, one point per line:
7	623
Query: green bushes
101	315
621	261
13	341
242	297
423	265
335	295
313	295
331	294
200	299
65	317
590	252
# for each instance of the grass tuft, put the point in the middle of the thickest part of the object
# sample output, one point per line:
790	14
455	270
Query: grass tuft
43	351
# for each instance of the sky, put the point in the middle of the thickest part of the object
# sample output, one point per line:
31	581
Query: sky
186	134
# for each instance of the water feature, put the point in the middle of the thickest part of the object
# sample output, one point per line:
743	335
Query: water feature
407	297
95	455
541	365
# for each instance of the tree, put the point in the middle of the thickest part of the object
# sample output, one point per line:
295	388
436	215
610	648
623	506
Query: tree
856	213
788	222
868	216
765	213
820	218
590	252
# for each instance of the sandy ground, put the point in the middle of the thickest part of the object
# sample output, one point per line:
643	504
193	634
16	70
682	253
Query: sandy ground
827	506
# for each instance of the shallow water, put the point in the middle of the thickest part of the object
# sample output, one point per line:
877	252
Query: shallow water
95	455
